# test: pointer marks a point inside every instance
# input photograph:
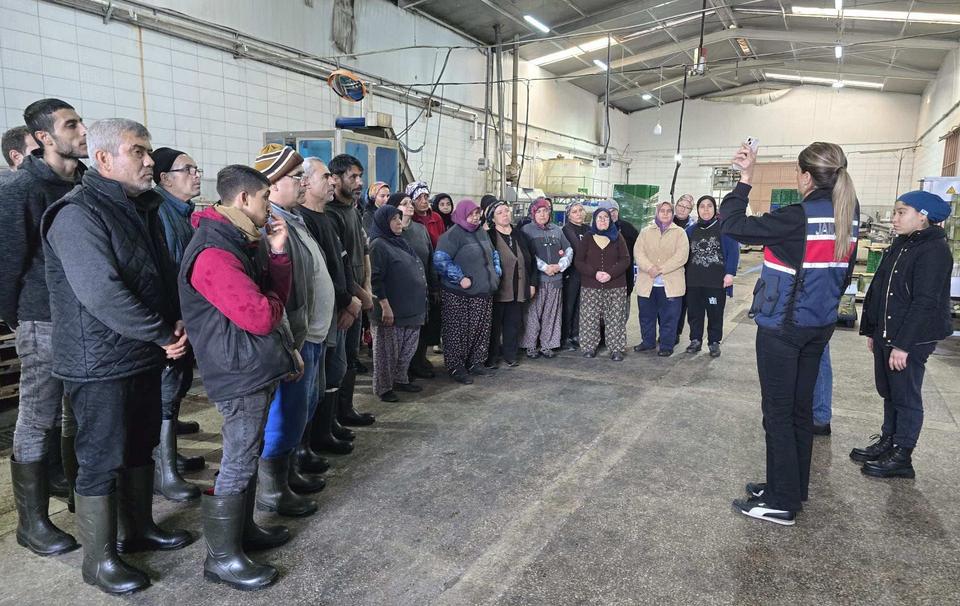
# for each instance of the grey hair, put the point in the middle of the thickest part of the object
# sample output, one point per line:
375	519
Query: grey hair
309	166
106	135
685	197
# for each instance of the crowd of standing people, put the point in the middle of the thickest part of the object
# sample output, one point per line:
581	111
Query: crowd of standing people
118	286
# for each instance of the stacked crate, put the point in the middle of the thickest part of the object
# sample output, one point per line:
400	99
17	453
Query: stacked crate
783	197
637	203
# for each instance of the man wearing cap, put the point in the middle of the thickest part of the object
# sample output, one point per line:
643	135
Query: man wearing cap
905	312
310	311
178	182
423	214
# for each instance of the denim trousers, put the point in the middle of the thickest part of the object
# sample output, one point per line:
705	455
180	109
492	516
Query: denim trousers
660	309
175	383
294	403
242	434
788	360
118	426
901	391
41	394
823	391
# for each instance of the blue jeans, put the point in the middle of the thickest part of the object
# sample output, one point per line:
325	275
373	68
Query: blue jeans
823	391
294	404
242	433
659	307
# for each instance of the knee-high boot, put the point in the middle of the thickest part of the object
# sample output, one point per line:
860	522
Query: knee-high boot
346	413
137	530
35	531
97	521
167	480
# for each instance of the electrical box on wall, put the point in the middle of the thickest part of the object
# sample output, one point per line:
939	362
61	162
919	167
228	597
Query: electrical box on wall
483	164
604	161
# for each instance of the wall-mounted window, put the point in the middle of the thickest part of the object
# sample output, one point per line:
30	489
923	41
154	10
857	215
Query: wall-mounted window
951	154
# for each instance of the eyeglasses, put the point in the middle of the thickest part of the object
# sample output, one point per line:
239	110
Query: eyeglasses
684	207
190	170
297	178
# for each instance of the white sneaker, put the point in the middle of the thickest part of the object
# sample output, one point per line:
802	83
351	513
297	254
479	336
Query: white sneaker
756	508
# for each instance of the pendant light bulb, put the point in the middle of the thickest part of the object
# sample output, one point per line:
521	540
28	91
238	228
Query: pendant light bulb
658	129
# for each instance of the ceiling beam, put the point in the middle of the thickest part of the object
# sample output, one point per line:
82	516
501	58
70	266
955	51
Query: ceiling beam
824	38
407	4
617	11
871	71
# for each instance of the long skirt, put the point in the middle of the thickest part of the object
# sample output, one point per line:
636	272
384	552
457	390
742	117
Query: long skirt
393	348
543	319
466	330
606	307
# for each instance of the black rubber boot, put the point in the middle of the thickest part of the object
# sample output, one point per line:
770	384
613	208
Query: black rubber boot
56	479
35	531
273	490
303	483
188	464
307	460
340	432
187	427
897	463
322	437
70	467
226	562
166	478
136	529
256	537
881	446
97	521
346	413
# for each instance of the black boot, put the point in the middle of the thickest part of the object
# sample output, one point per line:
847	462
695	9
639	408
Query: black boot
273	490
187	427
340	432
97	521
255	536
307	460
35	531
70	467
322	437
346	413
301	483
56	479
136	529
226	562
897	463
166	479
188	464
882	445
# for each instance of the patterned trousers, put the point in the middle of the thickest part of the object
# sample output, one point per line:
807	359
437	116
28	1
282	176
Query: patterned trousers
543	319
606	307
393	348
466	330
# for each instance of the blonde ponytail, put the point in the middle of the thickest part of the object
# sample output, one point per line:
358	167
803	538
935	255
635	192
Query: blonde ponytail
827	164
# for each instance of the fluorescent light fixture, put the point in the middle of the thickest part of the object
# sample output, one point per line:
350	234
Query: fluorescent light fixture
536	23
600	64
825	81
574	51
646	96
838	84
838	4
677	157
658	129
838	51
665	25
875	15
744	46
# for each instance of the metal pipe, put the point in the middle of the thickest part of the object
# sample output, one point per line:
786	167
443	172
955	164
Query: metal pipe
500	134
487	103
514	140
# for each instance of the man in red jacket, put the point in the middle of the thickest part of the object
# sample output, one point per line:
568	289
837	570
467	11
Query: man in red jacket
234	286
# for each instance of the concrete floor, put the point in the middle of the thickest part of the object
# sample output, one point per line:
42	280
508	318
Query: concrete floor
578	481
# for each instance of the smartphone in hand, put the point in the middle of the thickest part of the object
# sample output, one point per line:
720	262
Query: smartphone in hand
753	143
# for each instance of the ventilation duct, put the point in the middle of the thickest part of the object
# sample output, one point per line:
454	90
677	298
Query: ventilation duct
752	96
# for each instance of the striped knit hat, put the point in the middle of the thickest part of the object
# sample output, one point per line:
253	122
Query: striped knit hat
275	161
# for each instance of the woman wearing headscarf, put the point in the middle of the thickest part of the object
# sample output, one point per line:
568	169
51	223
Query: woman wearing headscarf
554	255
442	204
424	215
418	238
517	284
575	230
602	259
485	203
376	197
399	283
709	274
660	254
469	270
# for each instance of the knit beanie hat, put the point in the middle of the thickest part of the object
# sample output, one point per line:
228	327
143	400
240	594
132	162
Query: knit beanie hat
163	159
275	161
929	204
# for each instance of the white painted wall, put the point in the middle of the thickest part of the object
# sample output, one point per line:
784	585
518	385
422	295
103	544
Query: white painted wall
938	100
870	126
216	107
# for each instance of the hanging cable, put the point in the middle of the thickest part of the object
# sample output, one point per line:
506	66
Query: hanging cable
678	157
526	131
429	100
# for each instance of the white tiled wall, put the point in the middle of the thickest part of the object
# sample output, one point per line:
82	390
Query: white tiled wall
938	100
215	107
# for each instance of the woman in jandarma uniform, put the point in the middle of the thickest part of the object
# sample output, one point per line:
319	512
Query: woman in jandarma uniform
808	257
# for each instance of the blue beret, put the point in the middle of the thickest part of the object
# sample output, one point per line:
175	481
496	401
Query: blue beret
933	206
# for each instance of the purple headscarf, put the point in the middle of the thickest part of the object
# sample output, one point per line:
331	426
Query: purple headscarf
462	211
656	217
537	205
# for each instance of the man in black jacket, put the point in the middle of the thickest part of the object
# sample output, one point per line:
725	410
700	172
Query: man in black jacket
43	178
17	144
115	312
905	312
